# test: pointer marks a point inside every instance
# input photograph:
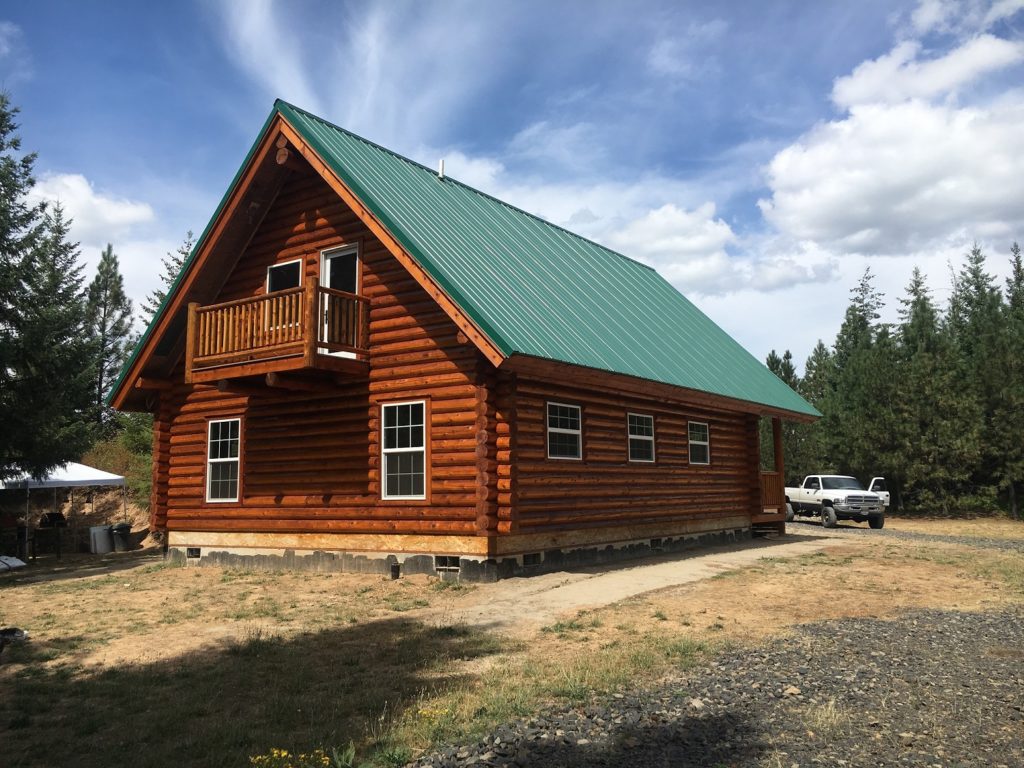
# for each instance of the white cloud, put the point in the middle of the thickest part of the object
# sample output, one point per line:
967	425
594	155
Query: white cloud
960	17
252	31
15	62
893	178
898	75
684	55
96	216
933	14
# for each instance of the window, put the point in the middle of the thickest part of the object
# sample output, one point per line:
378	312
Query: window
565	436
340	269
405	453
700	444
222	460
281	277
641	437
812	483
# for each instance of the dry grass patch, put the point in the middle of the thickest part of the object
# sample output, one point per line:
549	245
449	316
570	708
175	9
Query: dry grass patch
982	527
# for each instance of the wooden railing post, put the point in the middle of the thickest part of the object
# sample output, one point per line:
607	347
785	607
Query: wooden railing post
311	320
190	340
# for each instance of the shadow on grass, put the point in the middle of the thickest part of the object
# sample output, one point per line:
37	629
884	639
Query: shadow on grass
218	706
50	568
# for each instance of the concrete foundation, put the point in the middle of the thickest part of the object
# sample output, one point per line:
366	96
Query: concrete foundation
468	568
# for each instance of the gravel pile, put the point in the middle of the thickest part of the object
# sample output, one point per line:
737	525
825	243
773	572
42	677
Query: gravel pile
1010	545
935	688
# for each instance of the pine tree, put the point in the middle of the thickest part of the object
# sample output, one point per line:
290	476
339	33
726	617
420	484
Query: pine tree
53	368
110	321
1008	415
817	387
20	228
937	431
975	327
172	264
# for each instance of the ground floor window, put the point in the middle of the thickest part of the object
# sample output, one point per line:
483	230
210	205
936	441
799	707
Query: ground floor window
641	437
404	450
700	443
222	459
565	432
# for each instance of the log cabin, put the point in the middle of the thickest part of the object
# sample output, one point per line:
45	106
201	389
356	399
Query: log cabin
368	365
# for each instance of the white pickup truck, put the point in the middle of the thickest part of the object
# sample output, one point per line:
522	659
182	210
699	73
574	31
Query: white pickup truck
834	498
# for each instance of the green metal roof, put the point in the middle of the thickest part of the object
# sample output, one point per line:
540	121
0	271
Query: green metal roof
537	289
532	287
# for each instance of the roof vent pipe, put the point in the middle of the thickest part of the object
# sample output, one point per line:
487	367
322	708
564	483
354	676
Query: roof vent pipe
440	169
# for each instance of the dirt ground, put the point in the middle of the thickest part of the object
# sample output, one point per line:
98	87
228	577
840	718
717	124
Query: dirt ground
547	637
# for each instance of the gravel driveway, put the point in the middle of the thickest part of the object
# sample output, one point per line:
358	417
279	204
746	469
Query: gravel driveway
805	525
934	688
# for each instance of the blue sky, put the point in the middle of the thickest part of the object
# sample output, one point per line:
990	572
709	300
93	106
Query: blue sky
760	155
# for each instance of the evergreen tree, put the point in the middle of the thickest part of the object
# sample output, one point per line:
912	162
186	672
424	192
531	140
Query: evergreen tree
51	420
975	327
20	228
858	414
1008	415
793	433
110	321
937	430
172	264
817	387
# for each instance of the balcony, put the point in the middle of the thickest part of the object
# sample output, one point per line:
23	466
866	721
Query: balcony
303	329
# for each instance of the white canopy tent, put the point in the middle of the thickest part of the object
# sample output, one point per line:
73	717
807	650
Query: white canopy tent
71	475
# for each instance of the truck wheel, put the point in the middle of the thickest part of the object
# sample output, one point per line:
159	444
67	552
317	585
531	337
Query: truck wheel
828	517
877	521
789	513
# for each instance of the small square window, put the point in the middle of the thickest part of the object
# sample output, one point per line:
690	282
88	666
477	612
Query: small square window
281	277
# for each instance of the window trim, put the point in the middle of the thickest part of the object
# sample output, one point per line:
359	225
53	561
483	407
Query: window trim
266	283
549	429
630	437
690	442
384	452
208	461
341	250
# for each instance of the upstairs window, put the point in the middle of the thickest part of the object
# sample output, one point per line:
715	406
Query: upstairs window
641	437
405	452
700	443
565	433
281	277
222	459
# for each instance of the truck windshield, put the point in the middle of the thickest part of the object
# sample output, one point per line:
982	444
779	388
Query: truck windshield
841	484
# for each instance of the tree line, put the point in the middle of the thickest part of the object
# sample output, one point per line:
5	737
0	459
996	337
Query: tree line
63	338
934	402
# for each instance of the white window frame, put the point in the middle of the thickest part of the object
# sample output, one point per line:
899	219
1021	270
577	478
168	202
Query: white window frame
690	442
630	437
385	452
549	429
266	285
237	460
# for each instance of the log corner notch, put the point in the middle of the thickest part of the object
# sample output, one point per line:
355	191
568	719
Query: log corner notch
287	157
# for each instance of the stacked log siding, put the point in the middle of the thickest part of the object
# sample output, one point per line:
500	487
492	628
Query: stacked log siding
311	461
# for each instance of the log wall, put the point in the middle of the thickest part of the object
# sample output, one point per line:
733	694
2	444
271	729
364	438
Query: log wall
311	462
605	488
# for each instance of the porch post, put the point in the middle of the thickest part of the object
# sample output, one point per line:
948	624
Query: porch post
777	440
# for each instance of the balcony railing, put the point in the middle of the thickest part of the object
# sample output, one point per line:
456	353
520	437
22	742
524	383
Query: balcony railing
302	324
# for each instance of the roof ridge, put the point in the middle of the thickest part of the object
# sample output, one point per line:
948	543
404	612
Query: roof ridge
474	190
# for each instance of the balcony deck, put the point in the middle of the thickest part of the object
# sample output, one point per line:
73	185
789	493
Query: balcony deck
301	329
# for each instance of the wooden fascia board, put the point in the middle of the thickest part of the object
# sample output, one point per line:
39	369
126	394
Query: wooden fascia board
215	232
419	274
567	374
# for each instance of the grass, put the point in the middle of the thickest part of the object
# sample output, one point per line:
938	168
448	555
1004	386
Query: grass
303	662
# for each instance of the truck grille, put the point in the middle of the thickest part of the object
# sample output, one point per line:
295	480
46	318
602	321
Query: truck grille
861	499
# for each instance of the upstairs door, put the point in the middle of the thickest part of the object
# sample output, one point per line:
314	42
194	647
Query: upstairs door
339	271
